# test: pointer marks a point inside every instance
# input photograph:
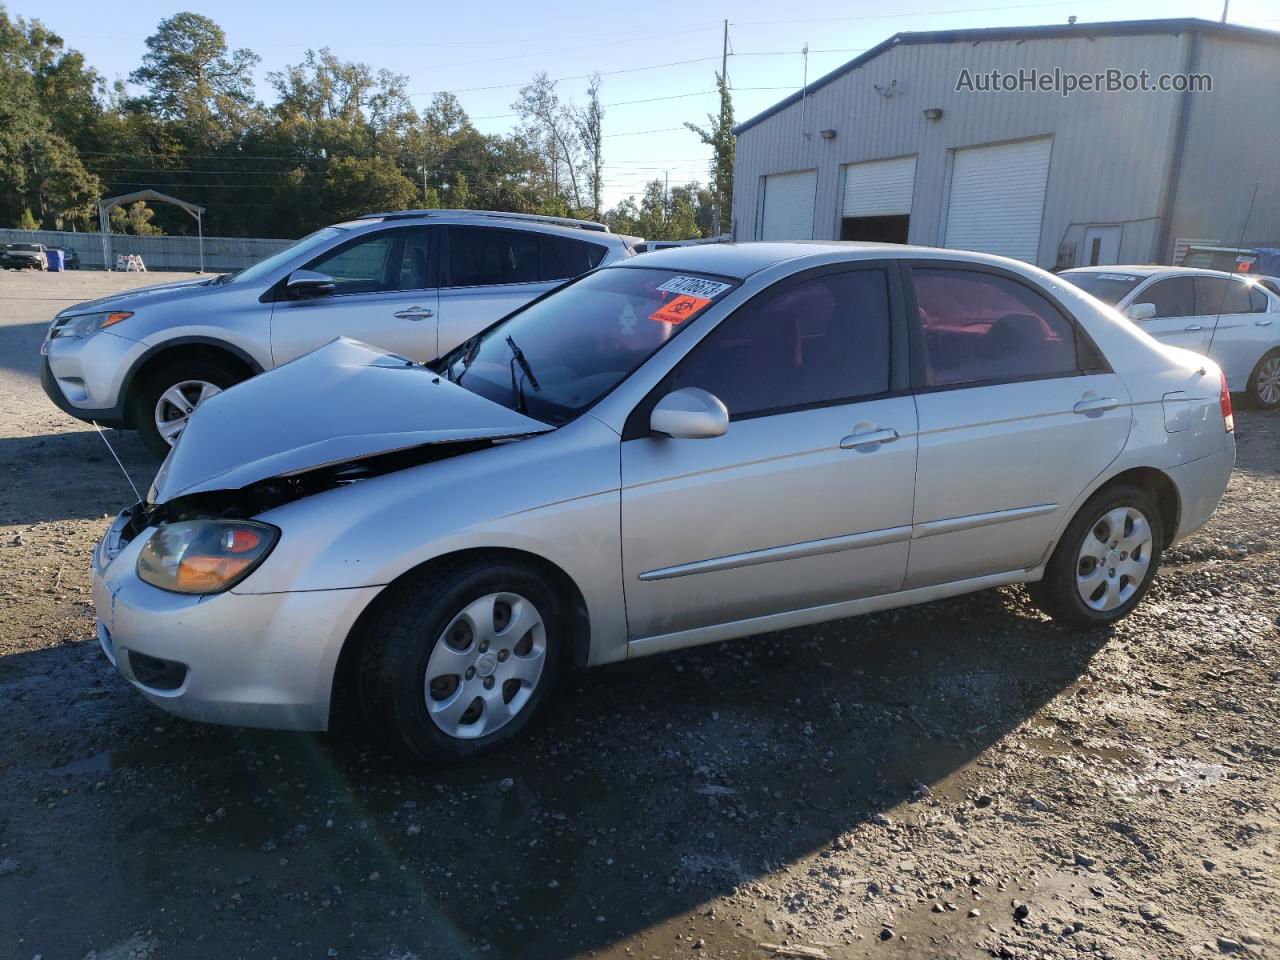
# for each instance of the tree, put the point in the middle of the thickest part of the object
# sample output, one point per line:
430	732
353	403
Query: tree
41	173
354	186
549	122
191	77
27	221
662	214
136	220
718	135
589	121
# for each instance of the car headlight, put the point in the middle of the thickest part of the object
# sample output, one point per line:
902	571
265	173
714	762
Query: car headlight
204	556
87	323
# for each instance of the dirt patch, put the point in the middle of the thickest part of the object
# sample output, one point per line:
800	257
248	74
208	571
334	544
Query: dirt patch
957	780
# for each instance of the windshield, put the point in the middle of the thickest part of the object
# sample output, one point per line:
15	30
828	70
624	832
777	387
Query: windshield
561	354
25	246
1110	288
264	267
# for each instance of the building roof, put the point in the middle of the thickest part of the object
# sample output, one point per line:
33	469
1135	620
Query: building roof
1119	28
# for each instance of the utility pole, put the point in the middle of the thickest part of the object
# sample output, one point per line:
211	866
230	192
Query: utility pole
724	83
724	53
1225	5
423	168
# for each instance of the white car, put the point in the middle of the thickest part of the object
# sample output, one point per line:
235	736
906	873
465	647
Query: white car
683	447
1233	319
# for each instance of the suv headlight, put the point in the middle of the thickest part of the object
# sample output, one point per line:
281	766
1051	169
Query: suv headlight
204	556
87	323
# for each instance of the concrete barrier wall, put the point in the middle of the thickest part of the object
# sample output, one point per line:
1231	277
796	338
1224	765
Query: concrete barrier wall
221	254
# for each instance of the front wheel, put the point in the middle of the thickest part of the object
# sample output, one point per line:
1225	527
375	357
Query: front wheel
1105	561
457	660
1264	382
163	404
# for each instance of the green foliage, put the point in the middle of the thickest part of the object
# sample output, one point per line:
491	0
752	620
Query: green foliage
340	139
354	186
718	135
40	168
136	220
27	221
191	77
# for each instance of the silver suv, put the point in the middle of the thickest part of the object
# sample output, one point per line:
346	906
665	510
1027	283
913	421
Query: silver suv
415	282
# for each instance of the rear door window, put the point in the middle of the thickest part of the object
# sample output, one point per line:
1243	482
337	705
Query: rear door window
484	257
1222	295
981	328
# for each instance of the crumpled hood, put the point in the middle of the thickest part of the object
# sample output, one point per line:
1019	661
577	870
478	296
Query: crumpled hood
341	402
146	296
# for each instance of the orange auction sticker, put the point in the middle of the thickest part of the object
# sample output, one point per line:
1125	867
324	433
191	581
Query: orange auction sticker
679	310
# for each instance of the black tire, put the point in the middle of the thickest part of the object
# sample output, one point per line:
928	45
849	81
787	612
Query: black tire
1057	594
145	396
403	632
1255	397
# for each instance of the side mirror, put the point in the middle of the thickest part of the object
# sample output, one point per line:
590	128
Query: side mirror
309	283
1141	311
689	413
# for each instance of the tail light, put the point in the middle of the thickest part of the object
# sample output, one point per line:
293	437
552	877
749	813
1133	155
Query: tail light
1224	399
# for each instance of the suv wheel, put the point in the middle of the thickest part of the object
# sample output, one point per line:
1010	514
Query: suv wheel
166	400
457	660
1105	561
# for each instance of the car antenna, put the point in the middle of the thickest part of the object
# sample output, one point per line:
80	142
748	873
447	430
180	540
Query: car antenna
117	458
1223	299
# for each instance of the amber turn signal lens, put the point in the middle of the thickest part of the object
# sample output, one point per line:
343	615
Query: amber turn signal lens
204	556
114	318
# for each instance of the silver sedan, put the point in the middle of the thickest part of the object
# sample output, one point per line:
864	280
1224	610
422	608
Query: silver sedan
686	447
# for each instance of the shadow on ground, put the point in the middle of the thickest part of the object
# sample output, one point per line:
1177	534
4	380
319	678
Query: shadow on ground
648	789
72	475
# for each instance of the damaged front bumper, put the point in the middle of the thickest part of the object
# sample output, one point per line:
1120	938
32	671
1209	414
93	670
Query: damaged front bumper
255	660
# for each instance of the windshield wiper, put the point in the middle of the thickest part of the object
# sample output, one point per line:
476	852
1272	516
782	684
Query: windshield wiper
472	347
518	357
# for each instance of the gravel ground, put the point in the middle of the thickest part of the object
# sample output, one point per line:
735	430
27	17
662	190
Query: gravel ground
957	780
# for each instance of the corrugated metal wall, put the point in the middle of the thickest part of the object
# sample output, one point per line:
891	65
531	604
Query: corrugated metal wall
1233	144
221	254
1110	151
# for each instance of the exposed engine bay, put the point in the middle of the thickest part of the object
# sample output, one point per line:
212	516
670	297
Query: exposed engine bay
263	495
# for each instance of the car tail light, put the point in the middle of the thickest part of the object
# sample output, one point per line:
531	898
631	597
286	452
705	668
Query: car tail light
1224	399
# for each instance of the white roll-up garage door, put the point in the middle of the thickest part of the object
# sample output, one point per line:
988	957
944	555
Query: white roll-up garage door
880	188
788	206
997	198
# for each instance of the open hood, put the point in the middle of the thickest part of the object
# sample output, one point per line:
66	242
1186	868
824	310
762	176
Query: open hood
343	402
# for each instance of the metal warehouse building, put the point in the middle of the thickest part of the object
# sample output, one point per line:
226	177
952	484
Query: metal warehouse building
887	148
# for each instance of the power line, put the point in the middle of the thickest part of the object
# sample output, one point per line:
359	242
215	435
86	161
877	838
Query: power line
430	43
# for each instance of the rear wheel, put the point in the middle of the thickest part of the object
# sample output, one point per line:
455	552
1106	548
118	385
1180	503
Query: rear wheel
164	402
457	660
1105	561
1264	382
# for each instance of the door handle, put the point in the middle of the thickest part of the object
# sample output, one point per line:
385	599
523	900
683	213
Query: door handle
1096	405
1262	323
1194	326
870	438
414	313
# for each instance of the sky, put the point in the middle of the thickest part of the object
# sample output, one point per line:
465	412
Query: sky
658	57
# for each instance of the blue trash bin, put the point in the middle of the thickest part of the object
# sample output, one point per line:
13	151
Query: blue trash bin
54	258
